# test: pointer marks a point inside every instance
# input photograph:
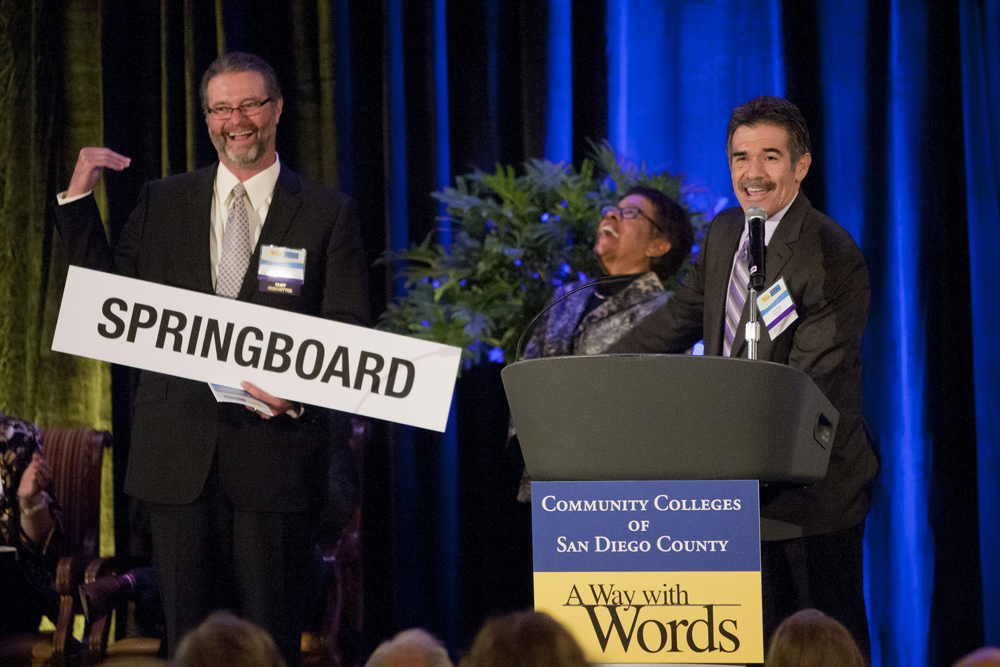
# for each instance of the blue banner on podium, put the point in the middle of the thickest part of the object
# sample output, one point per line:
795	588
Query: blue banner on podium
651	572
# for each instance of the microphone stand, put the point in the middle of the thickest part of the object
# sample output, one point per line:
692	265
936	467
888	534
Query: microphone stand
755	217
753	326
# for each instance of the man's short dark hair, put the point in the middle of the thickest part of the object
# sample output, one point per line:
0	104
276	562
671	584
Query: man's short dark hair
778	111
240	62
672	221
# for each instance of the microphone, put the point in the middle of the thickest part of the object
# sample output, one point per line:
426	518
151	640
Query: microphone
755	217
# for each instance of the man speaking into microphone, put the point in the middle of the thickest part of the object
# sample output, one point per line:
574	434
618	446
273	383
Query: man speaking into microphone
811	551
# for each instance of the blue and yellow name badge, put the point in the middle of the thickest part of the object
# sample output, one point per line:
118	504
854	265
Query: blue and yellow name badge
281	270
777	308
651	572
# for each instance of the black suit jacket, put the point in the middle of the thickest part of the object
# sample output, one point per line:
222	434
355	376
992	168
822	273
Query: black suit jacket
827	279
178	427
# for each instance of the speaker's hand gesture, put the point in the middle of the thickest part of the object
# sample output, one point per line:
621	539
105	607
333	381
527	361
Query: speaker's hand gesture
88	168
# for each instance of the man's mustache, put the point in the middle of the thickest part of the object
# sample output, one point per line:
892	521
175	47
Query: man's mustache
757	183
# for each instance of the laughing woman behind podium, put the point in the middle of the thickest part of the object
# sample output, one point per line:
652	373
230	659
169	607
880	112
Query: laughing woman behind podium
644	239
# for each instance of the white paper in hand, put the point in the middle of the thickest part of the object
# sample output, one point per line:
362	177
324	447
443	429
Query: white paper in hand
224	394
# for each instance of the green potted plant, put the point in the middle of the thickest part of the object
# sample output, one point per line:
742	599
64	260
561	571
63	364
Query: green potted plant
515	238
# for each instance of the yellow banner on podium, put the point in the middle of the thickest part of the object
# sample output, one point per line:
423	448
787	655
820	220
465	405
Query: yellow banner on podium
657	617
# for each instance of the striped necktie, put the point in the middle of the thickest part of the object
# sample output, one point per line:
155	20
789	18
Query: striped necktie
236	247
738	282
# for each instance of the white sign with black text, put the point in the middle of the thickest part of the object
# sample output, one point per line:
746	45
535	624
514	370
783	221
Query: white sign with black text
222	341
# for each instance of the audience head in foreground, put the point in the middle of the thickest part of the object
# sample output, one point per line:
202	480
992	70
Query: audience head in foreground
524	639
988	656
810	638
411	648
224	640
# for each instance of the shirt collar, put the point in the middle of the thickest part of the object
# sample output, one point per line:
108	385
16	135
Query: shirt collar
776	218
259	187
770	225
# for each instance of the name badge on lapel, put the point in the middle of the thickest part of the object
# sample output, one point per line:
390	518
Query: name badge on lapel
281	270
777	308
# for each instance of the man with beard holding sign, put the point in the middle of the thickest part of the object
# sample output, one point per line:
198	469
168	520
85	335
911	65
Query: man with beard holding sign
233	493
811	552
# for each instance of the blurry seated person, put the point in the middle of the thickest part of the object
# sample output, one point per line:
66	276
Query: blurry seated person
988	656
30	531
411	648
524	639
810	638
646	237
224	640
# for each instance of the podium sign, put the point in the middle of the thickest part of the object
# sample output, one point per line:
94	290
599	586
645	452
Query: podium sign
651	571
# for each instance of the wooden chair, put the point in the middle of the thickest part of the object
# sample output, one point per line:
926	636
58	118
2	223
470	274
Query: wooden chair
131	651
75	455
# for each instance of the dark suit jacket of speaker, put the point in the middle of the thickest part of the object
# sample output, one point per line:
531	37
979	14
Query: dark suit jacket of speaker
277	465
827	279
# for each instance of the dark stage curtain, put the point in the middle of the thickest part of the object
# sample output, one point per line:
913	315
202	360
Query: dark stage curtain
391	100
980	42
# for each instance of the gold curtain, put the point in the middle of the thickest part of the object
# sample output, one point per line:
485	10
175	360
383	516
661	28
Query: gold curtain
49	388
313	53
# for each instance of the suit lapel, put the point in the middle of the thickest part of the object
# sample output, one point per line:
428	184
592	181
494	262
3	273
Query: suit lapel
198	236
779	251
284	204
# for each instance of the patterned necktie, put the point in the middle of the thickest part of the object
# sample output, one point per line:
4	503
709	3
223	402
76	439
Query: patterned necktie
737	297
235	246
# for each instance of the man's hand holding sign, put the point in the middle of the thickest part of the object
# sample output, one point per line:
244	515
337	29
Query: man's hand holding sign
278	405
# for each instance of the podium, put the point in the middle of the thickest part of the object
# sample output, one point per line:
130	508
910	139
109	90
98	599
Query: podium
664	416
645	514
